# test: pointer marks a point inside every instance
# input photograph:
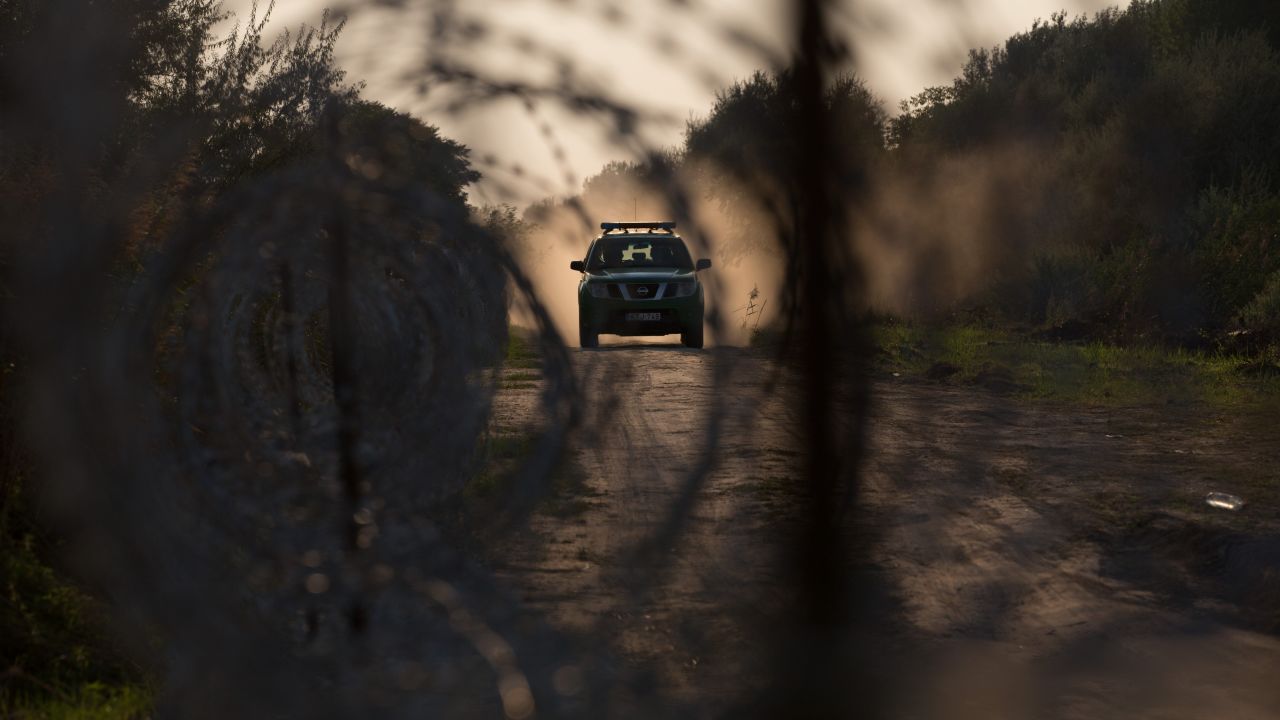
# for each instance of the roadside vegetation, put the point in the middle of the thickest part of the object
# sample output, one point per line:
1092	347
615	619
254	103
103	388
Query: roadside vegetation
198	118
1133	254
59	661
1144	205
1093	371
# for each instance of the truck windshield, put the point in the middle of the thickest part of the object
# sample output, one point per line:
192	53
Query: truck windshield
628	252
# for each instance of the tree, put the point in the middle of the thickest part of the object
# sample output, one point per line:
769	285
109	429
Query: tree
743	151
1154	127
398	149
751	131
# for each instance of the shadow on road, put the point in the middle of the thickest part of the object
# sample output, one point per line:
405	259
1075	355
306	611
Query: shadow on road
625	345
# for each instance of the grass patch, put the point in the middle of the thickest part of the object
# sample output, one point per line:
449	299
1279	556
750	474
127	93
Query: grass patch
58	660
522	350
520	380
504	456
1092	373
93	701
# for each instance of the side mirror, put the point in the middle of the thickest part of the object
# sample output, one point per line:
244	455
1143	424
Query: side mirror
703	264
578	265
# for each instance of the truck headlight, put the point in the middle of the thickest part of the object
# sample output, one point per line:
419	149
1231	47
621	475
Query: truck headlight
684	288
600	290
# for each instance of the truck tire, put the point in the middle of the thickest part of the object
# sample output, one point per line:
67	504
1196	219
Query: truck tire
692	337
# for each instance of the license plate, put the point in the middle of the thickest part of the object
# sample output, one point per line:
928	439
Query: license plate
644	317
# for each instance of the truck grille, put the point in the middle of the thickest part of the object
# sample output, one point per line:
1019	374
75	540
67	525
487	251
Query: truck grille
643	291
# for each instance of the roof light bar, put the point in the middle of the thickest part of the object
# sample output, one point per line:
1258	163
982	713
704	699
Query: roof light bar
668	225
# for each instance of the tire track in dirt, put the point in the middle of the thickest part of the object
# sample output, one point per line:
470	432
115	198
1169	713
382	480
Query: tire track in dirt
679	614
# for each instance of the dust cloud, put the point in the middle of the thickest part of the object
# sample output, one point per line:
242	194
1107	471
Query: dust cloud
933	234
940	232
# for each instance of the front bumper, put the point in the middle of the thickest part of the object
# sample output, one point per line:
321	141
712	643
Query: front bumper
608	316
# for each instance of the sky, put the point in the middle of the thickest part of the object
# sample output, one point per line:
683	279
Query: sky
665	57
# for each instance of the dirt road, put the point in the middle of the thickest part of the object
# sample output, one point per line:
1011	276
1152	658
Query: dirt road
1031	560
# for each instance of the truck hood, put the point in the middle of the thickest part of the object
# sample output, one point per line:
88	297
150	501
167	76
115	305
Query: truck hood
640	275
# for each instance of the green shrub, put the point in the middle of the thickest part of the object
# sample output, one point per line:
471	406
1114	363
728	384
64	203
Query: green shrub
1262	315
1237	247
1062	289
